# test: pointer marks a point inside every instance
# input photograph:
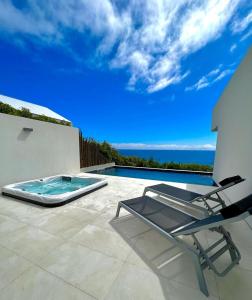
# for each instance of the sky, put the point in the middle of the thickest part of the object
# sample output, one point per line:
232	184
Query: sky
138	74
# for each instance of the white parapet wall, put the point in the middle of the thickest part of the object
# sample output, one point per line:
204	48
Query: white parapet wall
49	149
232	118
98	167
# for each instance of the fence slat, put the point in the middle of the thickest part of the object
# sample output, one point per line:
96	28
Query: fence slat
90	154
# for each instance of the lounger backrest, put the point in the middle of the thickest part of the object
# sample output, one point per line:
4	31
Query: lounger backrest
231	180
232	213
238	208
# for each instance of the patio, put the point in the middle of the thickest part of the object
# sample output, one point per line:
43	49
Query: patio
76	252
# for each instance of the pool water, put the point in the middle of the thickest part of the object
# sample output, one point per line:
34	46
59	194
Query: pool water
56	186
158	175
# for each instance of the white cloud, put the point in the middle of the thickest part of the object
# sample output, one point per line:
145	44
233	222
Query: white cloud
143	37
232	48
241	24
211	78
13	20
202	83
246	35
142	146
205	23
223	74
162	100
214	71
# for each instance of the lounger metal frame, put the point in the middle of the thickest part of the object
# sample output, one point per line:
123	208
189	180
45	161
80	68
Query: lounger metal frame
202	258
177	200
203	198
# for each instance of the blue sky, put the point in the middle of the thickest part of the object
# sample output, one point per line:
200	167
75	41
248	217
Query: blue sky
139	74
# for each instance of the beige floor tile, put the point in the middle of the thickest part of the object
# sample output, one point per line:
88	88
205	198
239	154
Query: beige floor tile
59	225
136	284
11	266
236	285
241	234
139	284
246	258
86	269
36	284
182	270
178	291
30	242
129	227
31	217
151	244
104	219
102	240
81	215
151	250
97	201
7	204
8	225
135	259
22	211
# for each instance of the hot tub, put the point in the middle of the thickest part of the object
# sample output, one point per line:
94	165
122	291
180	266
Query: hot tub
53	191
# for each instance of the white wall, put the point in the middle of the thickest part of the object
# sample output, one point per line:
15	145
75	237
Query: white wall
232	118
49	150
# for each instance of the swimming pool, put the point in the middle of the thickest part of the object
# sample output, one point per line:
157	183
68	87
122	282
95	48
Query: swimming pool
53	191
182	177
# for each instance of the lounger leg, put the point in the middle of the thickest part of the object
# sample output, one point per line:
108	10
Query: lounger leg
200	276
233	251
118	210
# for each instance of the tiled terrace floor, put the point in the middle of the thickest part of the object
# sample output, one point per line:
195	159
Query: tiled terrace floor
75	252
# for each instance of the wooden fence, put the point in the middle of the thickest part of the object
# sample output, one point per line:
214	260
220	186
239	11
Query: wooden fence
90	154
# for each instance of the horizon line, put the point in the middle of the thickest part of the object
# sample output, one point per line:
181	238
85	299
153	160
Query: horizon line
141	146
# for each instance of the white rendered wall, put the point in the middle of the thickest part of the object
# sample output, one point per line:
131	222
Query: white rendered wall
49	149
232	118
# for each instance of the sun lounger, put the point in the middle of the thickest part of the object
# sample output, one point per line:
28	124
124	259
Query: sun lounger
174	224
185	196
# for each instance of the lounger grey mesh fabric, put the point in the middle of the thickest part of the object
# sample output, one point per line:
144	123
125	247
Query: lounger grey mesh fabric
173	223
158	213
173	191
182	195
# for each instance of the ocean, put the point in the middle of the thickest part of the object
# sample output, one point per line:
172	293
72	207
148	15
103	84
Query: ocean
203	157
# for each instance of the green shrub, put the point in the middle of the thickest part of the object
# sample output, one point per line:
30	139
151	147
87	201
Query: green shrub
7	109
25	113
114	156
